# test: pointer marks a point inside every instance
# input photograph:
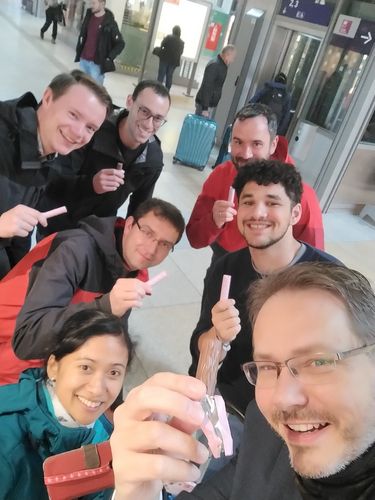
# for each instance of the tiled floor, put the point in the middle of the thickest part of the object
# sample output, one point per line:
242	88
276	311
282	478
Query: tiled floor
164	324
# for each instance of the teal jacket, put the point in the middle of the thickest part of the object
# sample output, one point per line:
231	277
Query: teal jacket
28	435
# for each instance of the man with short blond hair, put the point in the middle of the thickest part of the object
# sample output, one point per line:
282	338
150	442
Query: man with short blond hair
72	108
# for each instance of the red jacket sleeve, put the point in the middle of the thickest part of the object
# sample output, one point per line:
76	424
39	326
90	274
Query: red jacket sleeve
310	227
201	229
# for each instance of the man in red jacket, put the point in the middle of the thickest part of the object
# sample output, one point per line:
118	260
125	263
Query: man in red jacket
213	219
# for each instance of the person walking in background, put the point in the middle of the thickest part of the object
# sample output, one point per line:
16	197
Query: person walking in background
53	15
276	96
209	93
99	41
172	48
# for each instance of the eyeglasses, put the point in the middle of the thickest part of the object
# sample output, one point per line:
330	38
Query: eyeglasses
145	114
149	235
310	369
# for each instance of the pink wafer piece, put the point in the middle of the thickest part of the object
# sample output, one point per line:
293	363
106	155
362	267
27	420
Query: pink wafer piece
225	285
55	212
157	278
231	194
223	425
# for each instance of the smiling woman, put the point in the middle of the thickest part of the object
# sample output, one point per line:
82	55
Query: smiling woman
62	407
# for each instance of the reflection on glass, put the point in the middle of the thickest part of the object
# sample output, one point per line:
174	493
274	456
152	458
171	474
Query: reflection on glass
135	26
297	64
369	135
335	84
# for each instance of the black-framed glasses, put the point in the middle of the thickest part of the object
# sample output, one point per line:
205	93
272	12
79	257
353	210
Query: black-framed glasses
145	114
310	369
149	235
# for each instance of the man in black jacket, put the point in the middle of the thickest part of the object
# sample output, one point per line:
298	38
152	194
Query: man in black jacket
99	41
172	48
72	108
311	434
96	266
209	93
123	159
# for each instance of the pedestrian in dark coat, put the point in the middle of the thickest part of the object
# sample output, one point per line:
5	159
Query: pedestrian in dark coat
172	48
99	42
209	93
54	13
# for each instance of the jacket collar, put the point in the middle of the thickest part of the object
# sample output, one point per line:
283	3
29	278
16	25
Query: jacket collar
46	435
24	123
106	140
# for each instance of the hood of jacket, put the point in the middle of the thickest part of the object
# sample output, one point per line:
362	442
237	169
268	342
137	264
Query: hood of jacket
275	85
20	116
27	400
102	231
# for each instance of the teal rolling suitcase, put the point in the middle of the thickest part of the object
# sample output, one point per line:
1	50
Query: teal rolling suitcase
196	141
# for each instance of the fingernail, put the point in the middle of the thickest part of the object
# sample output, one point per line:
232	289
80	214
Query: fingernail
196	412
202	453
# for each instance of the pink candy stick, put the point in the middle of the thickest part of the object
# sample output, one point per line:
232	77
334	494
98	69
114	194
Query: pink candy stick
225	285
54	212
157	278
231	194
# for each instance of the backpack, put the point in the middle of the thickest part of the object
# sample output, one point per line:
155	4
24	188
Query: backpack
275	99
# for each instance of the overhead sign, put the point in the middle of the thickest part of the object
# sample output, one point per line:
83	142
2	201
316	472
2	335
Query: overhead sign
353	33
311	11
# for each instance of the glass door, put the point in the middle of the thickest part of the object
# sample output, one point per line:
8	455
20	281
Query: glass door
297	64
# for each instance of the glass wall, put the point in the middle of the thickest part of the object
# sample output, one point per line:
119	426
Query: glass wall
342	67
298	62
135	28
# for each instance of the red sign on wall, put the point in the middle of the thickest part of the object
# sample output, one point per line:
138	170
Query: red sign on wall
212	40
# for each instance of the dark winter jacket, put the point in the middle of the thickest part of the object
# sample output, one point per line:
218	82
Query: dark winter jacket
209	93
71	182
65	273
231	380
110	41
29	434
276	96
172	48
22	175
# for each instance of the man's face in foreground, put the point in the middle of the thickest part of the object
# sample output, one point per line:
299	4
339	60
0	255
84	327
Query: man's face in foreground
68	122
147	241
328	424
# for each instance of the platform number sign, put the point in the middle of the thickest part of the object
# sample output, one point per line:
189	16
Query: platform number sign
312	11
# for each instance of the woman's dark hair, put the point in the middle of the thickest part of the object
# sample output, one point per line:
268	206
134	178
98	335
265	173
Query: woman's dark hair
84	325
176	31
